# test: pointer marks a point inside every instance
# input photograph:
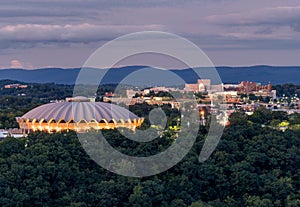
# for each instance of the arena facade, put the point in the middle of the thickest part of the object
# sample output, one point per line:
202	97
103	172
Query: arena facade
78	114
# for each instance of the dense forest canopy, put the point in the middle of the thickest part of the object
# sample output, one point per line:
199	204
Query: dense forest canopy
252	166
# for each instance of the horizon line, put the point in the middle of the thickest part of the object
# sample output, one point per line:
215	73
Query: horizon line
120	67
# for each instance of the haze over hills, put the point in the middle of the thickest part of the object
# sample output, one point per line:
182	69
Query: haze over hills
261	74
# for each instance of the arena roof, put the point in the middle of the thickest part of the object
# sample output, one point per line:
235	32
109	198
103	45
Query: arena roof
78	111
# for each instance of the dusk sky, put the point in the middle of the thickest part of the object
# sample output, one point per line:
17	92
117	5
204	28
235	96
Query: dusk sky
64	33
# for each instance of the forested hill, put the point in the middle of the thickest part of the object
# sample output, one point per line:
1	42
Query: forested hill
252	166
261	74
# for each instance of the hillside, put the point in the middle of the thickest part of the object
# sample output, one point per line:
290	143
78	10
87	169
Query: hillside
261	74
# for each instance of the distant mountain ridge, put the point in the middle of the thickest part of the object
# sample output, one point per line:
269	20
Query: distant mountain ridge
261	74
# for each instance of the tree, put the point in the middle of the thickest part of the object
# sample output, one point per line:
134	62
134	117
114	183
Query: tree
199	204
177	203
254	201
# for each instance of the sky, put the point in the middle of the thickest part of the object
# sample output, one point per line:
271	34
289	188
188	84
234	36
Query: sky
64	33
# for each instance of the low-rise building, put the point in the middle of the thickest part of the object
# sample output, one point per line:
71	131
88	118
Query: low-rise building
15	86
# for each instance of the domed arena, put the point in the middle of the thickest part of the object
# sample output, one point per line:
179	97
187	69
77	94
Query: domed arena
77	114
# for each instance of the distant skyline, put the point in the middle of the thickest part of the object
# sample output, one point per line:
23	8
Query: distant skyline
41	34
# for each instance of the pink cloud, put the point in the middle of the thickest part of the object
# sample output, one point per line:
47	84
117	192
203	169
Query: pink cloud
16	64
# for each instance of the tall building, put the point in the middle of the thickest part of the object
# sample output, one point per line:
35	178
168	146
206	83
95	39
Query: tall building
250	87
202	85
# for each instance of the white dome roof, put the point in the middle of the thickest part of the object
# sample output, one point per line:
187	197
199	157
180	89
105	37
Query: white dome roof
78	111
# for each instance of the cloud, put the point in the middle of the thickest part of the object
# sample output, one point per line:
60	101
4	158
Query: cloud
272	27
52	32
68	33
275	16
73	8
16	64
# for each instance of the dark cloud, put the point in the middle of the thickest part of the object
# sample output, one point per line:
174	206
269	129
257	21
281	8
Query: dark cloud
264	30
27	34
296	26
276	16
43	12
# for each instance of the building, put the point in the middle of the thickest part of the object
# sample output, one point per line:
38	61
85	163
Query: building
202	85
131	93
250	87
77	114
15	85
10	133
